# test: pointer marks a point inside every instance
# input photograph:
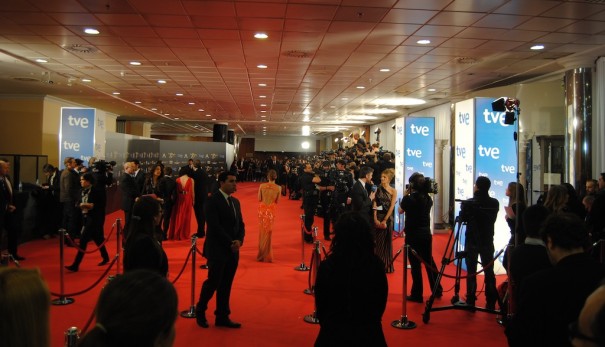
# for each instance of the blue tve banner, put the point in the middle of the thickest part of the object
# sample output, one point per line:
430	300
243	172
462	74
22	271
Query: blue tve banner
419	151
77	134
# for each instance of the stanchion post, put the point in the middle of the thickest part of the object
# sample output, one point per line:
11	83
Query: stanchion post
191	312
62	300
302	266
118	244
72	335
404	323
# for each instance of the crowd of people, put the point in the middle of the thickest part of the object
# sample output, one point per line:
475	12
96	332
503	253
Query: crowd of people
555	274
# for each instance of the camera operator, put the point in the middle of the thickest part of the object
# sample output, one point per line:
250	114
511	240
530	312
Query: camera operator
342	181
325	196
480	213
417	206
308	182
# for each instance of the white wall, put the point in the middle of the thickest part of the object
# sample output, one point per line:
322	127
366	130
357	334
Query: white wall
284	143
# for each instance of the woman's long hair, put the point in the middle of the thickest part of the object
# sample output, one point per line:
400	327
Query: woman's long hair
143	216
517	194
138	308
556	199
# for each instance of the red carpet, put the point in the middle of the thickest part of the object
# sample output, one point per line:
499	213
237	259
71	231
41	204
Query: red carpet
267	298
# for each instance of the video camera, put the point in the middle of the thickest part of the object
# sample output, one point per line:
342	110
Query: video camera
103	166
430	186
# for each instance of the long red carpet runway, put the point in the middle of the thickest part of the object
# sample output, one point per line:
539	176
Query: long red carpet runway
267	298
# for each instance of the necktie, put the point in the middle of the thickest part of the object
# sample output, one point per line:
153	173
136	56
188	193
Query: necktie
231	204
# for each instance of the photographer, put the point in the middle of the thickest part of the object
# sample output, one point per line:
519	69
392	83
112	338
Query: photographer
325	196
308	182
342	180
417	206
480	213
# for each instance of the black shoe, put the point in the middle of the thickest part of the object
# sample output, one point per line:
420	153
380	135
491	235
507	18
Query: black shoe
200	318
227	323
439	294
414	299
490	306
18	257
204	266
72	268
104	262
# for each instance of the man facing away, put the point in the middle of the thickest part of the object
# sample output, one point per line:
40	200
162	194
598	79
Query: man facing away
224	237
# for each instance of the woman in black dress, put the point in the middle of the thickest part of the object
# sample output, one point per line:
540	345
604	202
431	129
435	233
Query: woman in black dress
143	249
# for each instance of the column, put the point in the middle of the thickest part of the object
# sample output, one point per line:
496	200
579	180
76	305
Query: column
439	147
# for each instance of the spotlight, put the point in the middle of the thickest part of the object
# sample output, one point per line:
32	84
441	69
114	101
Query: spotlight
498	104
393	126
363	133
377	131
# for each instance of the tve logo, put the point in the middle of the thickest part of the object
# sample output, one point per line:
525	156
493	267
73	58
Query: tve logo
420	129
77	132
494	117
77	122
413	153
464	118
461	152
493	152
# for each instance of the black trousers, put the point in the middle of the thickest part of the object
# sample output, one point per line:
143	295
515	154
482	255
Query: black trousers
325	206
309	206
200	217
93	230
486	252
71	219
220	279
421	241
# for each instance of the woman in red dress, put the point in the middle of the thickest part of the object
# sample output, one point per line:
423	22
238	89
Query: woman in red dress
180	221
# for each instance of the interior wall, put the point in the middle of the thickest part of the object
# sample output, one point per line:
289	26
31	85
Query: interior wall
21	124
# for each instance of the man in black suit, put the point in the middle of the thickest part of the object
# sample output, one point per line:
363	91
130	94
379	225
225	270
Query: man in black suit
361	199
68	196
225	236
130	191
139	176
201	193
6	209
551	299
167	187
274	164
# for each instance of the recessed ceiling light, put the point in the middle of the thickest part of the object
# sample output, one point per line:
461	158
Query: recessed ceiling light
344	99
213	118
432	90
201	109
162	81
261	66
263	111
263	105
262	84
423	42
154	109
86	80
208	115
537	47
384	70
262	96
399	102
175	118
137	102
91	31
135	63
263	120
166	114
179	94
116	93
40	60
192	103
261	35
360	87
263	116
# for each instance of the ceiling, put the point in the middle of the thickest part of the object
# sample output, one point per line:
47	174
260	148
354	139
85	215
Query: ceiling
323	57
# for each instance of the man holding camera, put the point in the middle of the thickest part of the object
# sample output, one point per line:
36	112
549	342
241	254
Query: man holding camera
342	181
482	211
308	182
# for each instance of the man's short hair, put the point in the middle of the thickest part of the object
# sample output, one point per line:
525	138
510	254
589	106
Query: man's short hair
566	231
533	218
341	162
364	171
483	183
222	177
386	156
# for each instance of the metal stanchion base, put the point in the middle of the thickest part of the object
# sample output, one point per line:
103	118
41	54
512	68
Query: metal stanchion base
63	301
204	266
403	323
311	318
302	267
189	314
308	291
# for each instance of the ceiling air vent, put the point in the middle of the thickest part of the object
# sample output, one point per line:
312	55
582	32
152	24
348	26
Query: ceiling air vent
297	54
466	60
26	79
78	48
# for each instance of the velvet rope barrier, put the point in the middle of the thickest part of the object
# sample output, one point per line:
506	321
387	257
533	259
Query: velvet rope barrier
433	269
303	230
404	323
77	247
191	312
183	267
92	286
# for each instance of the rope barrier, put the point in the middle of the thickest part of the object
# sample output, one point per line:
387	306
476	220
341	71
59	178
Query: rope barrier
76	246
93	285
433	269
183	268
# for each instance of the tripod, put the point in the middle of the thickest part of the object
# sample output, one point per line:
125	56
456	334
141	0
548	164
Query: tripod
450	248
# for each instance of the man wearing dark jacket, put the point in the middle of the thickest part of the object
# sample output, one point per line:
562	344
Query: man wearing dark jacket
201	193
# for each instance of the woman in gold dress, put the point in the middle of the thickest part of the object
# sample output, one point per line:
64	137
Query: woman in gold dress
268	195
384	204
